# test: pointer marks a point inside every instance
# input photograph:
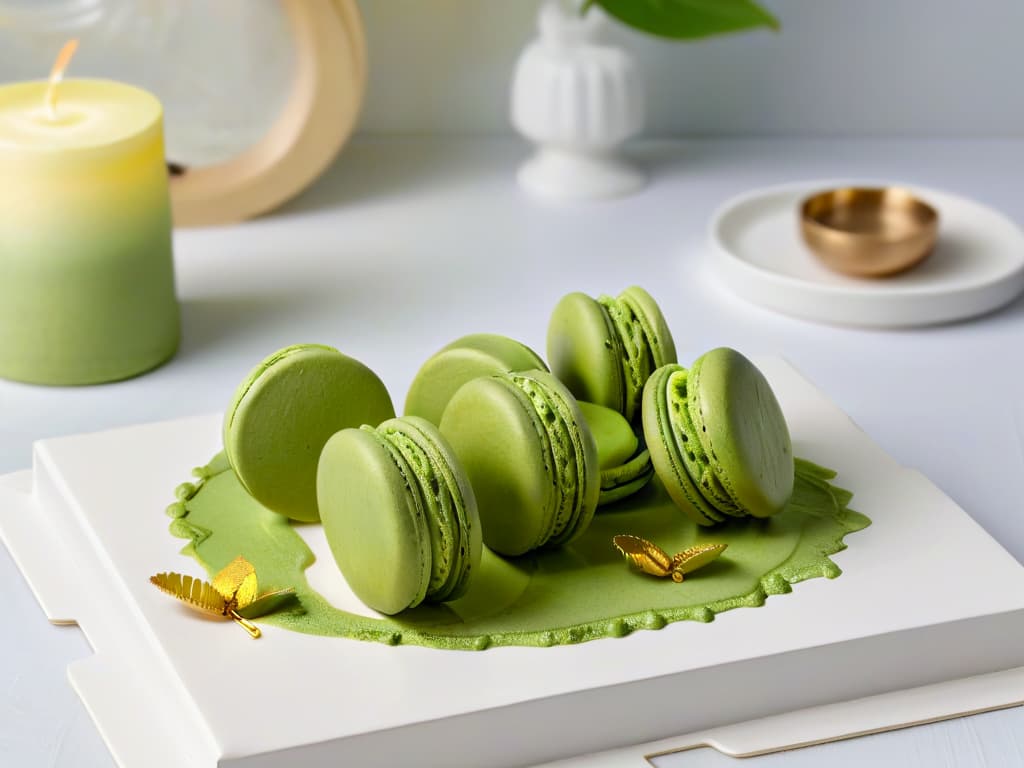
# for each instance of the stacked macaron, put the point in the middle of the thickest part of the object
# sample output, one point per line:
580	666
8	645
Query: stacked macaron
494	449
718	438
604	350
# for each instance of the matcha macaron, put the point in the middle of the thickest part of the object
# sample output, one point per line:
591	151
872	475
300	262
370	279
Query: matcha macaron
718	438
604	349
399	514
530	457
479	354
622	457
283	414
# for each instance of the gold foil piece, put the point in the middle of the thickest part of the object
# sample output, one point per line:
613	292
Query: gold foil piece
652	559
234	590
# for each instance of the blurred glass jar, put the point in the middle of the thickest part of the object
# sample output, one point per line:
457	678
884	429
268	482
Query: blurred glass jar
200	58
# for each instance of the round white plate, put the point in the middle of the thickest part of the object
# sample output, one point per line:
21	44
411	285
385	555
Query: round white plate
977	266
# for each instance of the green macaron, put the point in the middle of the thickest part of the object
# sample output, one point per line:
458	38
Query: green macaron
742	429
479	354
622	457
604	349
530	457
718	438
399	514
285	411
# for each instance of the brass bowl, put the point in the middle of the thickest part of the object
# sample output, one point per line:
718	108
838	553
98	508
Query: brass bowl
869	231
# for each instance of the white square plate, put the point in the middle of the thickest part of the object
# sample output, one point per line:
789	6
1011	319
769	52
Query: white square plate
926	596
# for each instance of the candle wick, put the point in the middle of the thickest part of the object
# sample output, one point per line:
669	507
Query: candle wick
57	74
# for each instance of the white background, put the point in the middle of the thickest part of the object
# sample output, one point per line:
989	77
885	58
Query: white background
917	68
408	243
374	241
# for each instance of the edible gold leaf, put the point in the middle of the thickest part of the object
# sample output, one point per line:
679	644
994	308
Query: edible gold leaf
237	582
646	556
193	592
695	557
233	593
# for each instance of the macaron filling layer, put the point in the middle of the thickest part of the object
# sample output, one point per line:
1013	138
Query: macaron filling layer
736	412
659	342
436	500
553	496
454	496
636	357
692	451
667	447
417	508
567	459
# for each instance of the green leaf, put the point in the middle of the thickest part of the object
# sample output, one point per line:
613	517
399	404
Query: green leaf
689	19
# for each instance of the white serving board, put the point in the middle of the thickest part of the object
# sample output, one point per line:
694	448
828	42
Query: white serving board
922	585
826	723
758	252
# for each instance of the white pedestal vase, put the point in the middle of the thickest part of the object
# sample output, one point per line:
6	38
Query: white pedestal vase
577	99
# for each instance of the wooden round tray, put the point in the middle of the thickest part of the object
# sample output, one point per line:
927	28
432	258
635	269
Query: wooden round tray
316	121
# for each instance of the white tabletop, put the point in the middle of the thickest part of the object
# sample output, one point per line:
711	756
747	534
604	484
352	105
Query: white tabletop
409	243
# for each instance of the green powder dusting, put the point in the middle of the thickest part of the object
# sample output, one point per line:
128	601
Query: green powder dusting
580	592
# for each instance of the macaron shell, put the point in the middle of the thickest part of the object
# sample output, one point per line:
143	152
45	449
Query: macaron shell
626	479
651	319
636	358
743	431
616	442
283	414
665	449
585	353
479	354
377	535
496	436
458	490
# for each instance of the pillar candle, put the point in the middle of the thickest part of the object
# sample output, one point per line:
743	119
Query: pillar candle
86	273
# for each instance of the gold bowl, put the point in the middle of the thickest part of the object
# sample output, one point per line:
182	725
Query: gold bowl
869	231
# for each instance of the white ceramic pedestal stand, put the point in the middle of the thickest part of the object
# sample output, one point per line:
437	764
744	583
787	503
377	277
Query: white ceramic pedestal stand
578	100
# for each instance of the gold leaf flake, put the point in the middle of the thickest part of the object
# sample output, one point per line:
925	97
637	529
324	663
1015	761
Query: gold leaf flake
646	556
237	582
652	559
695	557
196	593
234	591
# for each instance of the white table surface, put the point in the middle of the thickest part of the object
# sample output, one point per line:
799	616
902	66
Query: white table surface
408	243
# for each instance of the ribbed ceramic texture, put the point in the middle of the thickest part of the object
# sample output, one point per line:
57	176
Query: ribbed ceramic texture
570	89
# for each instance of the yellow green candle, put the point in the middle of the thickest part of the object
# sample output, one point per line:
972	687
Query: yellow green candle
86	272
